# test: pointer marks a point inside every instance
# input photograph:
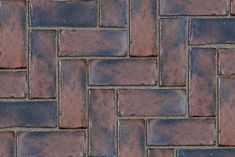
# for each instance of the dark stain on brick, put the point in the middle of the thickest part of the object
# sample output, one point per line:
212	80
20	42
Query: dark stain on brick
207	152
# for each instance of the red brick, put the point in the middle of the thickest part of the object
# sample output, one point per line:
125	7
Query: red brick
156	102
181	132
160	153
143	30
193	7
226	109
93	43
28	114
131	138
42	70
51	144
212	31
8	144
226	62
102	123
173	52
207	153
233	7
114	13
123	72
63	13
12	34
202	82
13	85
73	94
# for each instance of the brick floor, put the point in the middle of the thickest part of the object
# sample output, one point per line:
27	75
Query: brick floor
117	78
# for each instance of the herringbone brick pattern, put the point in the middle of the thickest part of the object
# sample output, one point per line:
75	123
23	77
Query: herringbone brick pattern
117	78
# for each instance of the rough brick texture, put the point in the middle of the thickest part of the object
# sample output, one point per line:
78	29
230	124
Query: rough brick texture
117	78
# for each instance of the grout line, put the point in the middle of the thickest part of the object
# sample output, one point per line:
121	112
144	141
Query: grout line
105	57
79	28
88	109
188	67
28	48
129	26
116	125
15	70
99	14
145	138
163	117
136	87
57	80
159	44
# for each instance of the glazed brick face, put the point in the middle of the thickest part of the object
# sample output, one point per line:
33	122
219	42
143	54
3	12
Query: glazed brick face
160	153
226	62
93	43
8	144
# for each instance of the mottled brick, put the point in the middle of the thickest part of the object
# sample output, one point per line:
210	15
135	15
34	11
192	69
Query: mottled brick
160	153
8	144
226	62
226	112
102	123
12	34
212	31
123	72
173	52
73	94
202	82
207	153
13	84
193	7
181	132
114	13
131	138
51	144
42	67
143	23
156	102
93	43
63	13
28	114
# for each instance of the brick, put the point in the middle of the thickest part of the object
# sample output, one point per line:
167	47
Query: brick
181	132
42	66
13	84
212	31
143	24
93	43
73	94
206	153
28	114
156	102
160	153
114	13
57	143
173	52
63	13
226	62
8	144
233	7
192	7
131	138
202	82
226	112
102	123
123	72
12	30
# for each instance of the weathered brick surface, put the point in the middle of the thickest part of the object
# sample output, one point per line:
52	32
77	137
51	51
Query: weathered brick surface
160	153
226	62
207	152
8	144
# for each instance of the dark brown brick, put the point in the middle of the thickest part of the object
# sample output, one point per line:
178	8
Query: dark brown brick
212	31
13	85
173	52
51	144
8	144
207	153
93	43
193	7
12	34
131	138
28	114
114	13
226	109
202	82
63	13
143	28
123	72
42	70
102	123
73	94
160	153
181	132
226	62
158	102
